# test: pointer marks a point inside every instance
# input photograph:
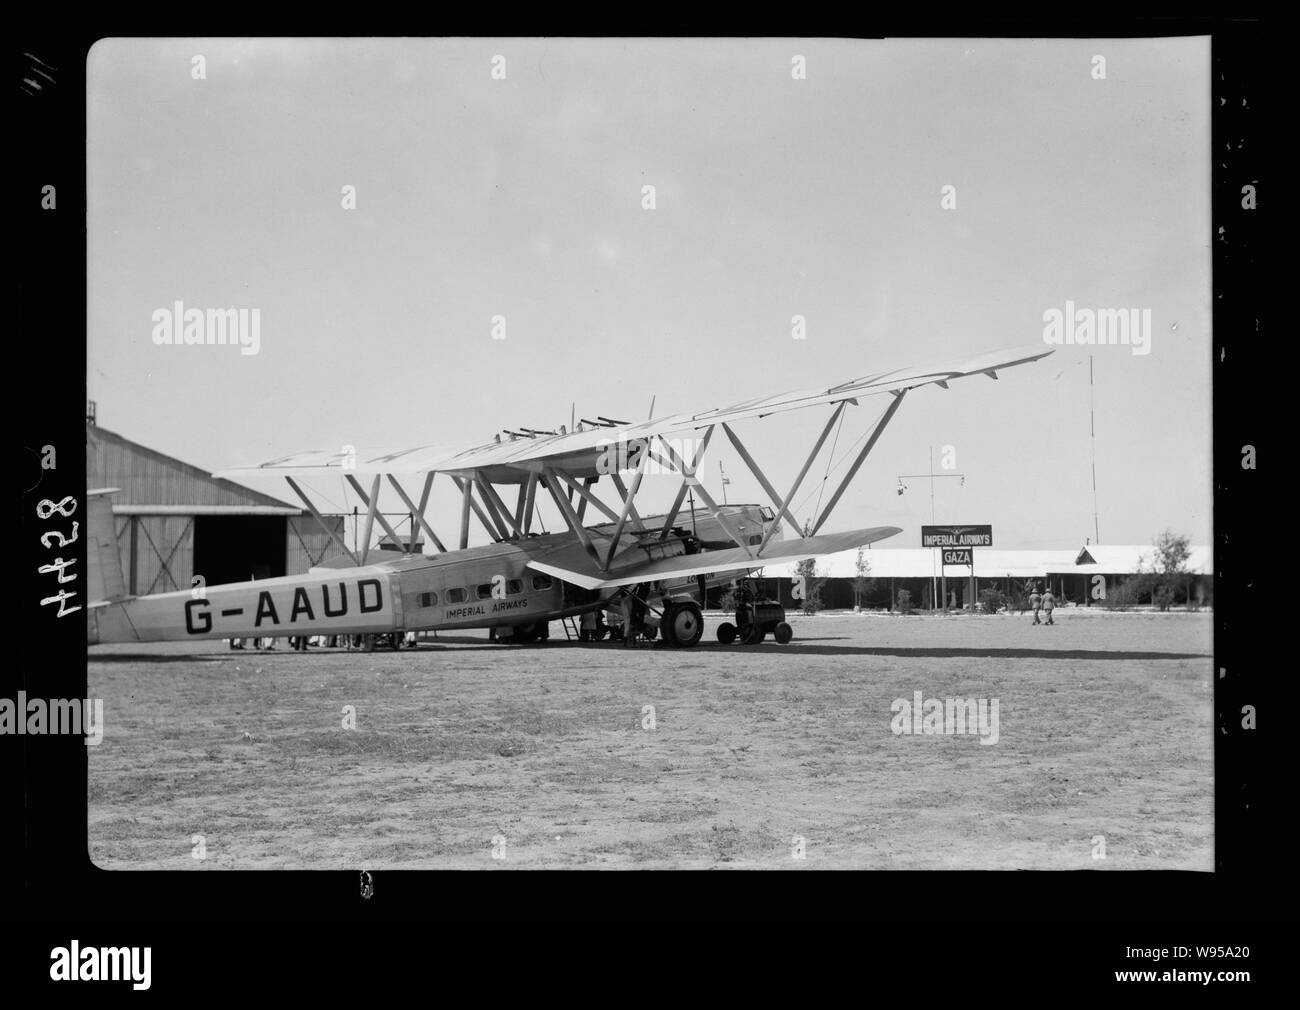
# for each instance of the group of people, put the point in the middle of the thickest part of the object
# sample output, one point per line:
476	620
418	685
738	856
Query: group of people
1043	602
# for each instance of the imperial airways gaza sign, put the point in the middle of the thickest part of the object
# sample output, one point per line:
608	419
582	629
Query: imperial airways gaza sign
956	536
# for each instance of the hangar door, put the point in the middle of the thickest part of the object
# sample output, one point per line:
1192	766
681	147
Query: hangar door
238	548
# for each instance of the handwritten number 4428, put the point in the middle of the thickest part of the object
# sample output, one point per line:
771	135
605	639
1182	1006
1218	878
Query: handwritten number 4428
44	510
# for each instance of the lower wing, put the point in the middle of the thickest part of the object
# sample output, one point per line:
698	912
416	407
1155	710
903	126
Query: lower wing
573	564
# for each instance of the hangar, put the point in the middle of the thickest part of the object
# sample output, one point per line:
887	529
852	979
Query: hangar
174	520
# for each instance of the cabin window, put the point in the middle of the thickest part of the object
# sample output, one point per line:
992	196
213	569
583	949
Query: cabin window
514	587
455	596
485	591
767	514
427	600
541	582
755	538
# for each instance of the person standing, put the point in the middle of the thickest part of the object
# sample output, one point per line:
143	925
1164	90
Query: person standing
1049	604
1035	602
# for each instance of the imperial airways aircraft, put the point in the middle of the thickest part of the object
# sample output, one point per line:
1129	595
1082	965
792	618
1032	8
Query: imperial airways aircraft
654	570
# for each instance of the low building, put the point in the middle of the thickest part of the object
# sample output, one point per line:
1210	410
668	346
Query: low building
1071	573
1098	570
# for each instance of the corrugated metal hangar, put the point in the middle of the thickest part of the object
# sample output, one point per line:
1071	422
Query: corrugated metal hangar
175	520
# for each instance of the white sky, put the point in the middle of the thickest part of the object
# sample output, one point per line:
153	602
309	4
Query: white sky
775	197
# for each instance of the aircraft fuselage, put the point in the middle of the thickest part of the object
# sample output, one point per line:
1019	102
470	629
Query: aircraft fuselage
480	587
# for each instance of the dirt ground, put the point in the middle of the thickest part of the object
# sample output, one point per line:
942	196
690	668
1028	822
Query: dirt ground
467	754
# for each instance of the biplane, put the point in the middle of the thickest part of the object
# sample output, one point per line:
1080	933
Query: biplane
648	573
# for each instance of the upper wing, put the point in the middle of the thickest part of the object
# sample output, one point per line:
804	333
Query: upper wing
573	564
511	460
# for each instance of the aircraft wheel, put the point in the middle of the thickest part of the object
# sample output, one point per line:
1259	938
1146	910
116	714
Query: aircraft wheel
683	624
650	632
753	634
782	633
525	634
726	632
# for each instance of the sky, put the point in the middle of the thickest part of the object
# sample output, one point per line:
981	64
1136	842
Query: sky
776	195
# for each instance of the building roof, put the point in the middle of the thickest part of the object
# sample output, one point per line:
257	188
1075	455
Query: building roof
1123	559
147	479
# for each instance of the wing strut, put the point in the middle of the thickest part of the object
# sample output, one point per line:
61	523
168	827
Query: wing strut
584	493
627	508
372	507
467	503
587	484
803	472
498	508
372	512
321	519
566	511
857	463
681	491
622	490
712	506
762	478
419	513
530	499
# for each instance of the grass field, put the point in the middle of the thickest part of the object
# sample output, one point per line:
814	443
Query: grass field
1105	729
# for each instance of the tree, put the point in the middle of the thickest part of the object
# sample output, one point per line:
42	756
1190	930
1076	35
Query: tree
1172	552
812	586
1161	578
861	583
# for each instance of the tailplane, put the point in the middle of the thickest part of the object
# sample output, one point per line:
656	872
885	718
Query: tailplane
106	619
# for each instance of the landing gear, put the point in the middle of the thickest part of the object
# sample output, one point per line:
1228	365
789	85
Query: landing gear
523	634
682	624
726	632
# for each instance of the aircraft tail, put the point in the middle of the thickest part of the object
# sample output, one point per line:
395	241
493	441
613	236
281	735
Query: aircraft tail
106	619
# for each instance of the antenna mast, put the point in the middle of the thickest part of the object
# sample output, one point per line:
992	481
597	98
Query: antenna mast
1092	438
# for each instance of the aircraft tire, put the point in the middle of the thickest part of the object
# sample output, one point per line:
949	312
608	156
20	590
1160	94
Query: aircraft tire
524	634
726	632
682	625
782	633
